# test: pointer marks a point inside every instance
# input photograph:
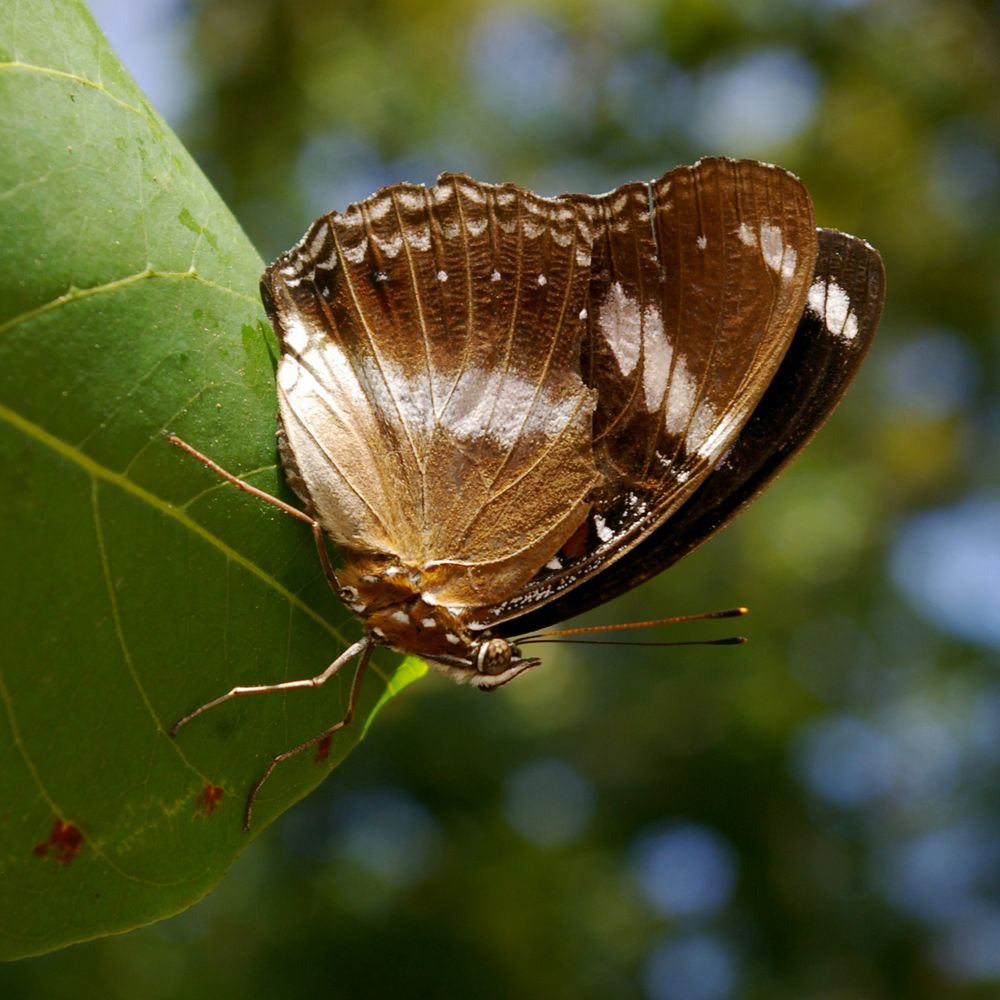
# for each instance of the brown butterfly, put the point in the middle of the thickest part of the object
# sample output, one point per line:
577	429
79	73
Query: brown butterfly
505	409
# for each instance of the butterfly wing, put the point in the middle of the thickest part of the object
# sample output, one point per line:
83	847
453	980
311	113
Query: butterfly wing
429	386
697	285
838	325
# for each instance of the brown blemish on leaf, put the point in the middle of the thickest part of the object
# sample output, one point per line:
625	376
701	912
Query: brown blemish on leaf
63	845
209	799
323	749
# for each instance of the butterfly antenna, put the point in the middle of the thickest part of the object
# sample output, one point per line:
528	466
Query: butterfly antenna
565	634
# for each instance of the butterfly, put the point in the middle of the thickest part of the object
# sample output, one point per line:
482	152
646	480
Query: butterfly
505	409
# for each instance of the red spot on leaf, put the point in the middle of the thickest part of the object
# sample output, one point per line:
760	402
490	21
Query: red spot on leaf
323	749
209	799
63	845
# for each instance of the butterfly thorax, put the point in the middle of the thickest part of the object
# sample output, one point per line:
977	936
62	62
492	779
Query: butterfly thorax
388	598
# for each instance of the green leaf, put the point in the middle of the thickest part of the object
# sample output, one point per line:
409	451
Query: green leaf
136	586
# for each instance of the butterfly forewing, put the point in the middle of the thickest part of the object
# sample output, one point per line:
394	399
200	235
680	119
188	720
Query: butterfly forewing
697	284
833	335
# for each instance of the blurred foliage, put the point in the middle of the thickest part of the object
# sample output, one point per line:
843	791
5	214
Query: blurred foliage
813	815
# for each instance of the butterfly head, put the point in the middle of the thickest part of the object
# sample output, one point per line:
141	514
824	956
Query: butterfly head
387	598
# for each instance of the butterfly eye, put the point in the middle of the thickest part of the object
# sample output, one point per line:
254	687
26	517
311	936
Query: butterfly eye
493	656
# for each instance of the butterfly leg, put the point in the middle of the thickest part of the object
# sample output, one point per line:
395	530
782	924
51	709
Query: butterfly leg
285	508
352	703
362	646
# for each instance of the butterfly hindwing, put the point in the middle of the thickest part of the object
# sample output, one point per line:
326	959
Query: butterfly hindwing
434	335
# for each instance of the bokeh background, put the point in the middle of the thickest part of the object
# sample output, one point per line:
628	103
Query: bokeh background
814	816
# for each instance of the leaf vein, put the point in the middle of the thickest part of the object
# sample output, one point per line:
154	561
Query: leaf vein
62	74
75	294
99	471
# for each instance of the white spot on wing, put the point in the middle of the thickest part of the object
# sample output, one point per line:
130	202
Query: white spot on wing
777	256
702	242
356	253
478	226
410	200
656	355
701	426
542	280
391	246
619	321
502	405
832	305
473	193
442	276
309	246
495	275
296	335
288	373
719	440
680	398
419	239
351	219
604	533
745	233
378	210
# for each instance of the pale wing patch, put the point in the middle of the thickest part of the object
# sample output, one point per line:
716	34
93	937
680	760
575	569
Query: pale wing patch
746	235
501	407
389	246
418	238
322	404
656	355
680	399
620	323
356	253
777	255
720	437
296	334
829	302
702	424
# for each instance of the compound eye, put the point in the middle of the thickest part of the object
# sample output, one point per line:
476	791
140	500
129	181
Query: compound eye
493	656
